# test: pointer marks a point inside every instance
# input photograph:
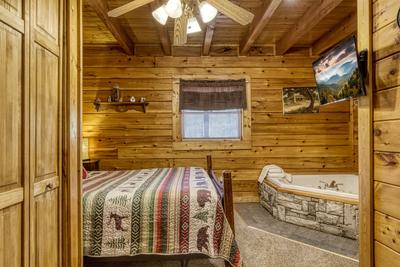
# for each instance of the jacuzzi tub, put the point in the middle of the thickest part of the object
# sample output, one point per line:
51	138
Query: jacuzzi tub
309	201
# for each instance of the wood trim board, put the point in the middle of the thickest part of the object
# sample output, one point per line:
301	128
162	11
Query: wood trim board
365	149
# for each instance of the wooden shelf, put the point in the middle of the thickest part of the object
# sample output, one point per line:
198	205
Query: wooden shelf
121	104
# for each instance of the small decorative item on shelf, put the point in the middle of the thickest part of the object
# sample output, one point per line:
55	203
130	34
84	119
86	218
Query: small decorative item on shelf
115	93
117	101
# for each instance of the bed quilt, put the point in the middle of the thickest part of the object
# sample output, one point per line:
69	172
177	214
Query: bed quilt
169	211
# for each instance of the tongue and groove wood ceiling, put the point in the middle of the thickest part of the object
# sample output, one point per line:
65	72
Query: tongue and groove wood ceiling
295	24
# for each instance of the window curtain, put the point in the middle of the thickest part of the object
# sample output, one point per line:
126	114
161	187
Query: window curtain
212	95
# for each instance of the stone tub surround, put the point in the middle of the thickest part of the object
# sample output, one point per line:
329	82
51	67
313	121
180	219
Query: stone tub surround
332	217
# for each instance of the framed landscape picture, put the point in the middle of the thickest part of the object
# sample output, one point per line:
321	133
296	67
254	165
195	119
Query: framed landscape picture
300	100
337	73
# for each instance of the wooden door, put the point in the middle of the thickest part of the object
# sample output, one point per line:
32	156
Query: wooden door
14	134
45	134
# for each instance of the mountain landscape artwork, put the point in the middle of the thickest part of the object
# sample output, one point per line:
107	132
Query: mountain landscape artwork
337	73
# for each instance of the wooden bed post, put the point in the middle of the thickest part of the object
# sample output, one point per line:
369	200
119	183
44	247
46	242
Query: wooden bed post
228	199
209	164
225	190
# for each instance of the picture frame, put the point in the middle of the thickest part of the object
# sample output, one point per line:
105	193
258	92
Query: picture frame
298	100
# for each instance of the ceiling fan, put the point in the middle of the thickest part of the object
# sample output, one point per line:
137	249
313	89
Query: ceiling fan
186	13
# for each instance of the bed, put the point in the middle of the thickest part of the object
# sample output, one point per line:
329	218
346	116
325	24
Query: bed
166	212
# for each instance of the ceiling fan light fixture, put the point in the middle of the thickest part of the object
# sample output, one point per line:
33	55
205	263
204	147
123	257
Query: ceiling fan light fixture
160	15
193	26
207	11
174	8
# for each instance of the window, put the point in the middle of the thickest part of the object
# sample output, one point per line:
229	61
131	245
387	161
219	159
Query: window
212	124
211	114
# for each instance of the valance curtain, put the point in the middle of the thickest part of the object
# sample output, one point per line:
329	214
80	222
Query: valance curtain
212	95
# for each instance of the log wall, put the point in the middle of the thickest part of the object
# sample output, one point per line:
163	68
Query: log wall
324	142
386	44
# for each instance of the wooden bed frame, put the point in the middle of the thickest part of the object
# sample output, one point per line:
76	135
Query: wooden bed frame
224	189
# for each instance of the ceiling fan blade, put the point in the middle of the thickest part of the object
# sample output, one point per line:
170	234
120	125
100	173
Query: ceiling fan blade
128	7
235	12
180	30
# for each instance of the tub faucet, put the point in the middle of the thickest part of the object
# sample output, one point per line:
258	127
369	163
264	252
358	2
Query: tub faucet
333	184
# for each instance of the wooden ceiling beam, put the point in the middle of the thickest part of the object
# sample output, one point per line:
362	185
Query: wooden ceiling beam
101	9
260	21
339	32
208	36
314	15
162	31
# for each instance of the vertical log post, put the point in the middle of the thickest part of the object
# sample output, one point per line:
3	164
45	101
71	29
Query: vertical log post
228	199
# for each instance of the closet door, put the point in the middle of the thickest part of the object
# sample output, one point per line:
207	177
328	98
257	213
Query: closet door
14	134
46	121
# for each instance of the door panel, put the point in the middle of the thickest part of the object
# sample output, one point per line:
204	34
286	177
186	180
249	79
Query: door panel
10	231
47	229
11	107
45	75
13	203
13	6
46	18
47	114
46	23
30	133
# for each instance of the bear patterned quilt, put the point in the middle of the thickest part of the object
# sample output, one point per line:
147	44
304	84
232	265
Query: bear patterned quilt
170	211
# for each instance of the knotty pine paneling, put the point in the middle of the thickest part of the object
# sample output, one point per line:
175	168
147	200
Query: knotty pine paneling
387	230
385	257
128	140
386	46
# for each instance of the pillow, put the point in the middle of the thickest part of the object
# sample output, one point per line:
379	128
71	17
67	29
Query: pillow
84	173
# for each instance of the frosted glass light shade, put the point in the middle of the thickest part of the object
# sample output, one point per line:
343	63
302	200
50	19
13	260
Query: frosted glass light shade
174	8
193	26
160	15
207	12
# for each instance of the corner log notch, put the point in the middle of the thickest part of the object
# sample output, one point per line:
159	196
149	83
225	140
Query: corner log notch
338	33
162	31
259	23
310	19
101	9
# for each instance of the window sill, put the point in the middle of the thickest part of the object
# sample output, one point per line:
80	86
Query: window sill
211	145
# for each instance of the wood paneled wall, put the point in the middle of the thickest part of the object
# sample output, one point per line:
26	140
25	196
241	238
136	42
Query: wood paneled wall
386	44
324	142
